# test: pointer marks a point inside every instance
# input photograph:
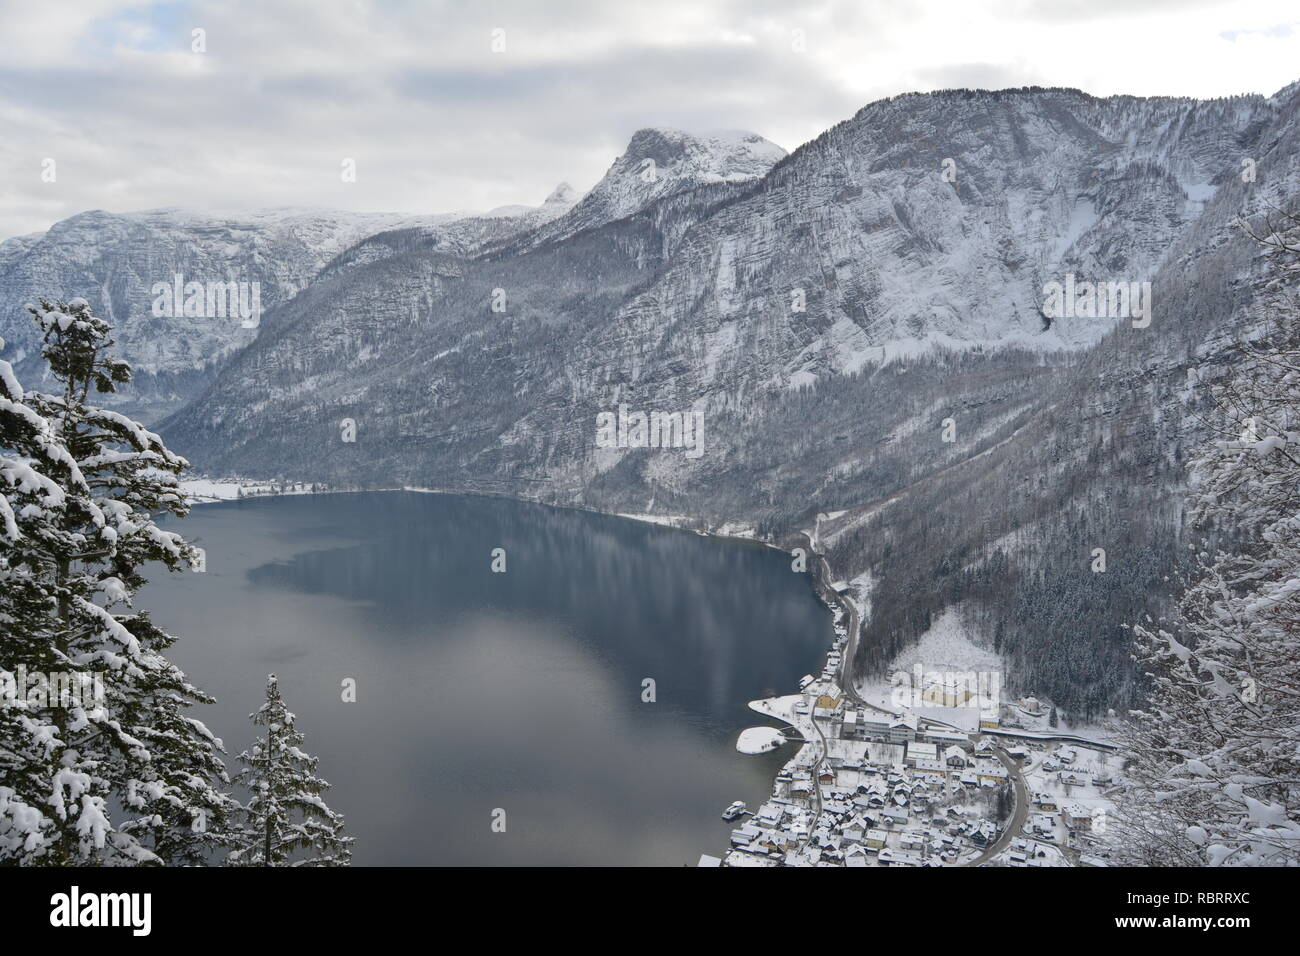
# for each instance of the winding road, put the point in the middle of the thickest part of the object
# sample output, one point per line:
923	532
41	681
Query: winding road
1018	812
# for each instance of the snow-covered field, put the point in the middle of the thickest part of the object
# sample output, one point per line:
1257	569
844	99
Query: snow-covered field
208	490
670	521
759	740
948	646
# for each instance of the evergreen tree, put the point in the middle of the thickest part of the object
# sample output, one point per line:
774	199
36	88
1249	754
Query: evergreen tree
286	823
1005	803
1214	756
100	762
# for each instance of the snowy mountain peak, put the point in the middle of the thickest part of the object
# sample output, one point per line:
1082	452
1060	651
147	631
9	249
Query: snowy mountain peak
718	156
659	162
562	195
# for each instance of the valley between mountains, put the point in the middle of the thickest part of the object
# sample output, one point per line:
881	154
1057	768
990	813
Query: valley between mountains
859	322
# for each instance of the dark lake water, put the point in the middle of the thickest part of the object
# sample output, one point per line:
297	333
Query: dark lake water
478	690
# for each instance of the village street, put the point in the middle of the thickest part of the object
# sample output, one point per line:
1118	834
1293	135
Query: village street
1018	814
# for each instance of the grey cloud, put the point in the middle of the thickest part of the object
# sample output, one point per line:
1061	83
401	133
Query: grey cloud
412	91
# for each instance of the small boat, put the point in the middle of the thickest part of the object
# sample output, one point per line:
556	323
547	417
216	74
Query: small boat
737	809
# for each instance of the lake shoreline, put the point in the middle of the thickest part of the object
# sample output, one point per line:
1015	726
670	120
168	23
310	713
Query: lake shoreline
820	574
844	614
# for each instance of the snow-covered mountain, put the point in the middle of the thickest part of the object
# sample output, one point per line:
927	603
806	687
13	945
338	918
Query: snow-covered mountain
830	314
114	260
926	220
827	317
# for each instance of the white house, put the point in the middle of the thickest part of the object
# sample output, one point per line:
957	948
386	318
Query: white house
899	858
919	750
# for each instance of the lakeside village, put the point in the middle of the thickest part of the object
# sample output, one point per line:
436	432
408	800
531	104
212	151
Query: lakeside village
943	775
959	779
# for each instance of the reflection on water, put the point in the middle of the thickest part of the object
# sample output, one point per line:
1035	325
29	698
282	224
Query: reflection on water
480	690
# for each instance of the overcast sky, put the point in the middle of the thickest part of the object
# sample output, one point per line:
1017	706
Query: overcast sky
437	121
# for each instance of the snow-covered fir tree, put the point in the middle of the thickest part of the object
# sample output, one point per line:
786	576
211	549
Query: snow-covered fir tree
286	822
1214	777
101	762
